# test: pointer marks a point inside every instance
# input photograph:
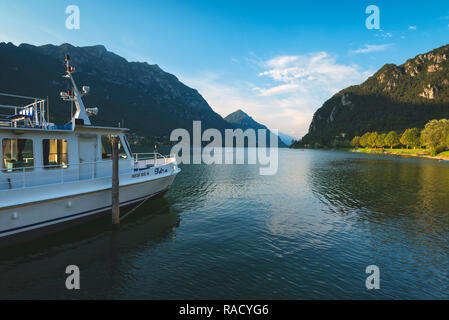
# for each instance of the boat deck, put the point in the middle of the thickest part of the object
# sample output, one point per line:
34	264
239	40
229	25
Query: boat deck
29	177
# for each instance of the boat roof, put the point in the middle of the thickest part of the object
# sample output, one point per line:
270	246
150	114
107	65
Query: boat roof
59	129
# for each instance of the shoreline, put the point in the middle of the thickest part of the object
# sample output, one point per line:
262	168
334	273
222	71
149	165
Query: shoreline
392	153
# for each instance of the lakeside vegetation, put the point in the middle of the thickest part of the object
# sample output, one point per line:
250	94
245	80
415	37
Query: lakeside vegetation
432	141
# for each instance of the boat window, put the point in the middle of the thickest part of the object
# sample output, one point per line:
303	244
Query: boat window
106	148
55	153
17	153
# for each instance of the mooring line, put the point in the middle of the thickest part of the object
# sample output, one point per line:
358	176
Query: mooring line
134	209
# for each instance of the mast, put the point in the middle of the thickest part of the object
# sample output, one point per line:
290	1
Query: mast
75	96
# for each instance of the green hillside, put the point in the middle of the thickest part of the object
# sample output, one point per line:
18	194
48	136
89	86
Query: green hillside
394	98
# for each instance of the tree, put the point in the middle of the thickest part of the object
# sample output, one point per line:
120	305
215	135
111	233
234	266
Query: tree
380	141
355	142
411	138
371	141
435	133
392	139
364	139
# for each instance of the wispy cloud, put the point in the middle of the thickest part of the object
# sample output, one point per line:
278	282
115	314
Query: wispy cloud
384	35
294	86
281	89
412	28
368	48
311	72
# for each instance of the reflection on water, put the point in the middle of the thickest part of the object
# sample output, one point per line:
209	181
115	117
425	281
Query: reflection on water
407	193
224	231
106	257
400	208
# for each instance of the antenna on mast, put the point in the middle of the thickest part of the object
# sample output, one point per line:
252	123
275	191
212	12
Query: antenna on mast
75	95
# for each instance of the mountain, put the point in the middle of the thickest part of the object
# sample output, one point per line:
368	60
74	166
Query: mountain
239	119
147	99
286	139
243	121
394	98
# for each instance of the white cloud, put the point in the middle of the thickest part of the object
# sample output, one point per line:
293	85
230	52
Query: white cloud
368	48
284	88
412	28
317	72
384	34
293	88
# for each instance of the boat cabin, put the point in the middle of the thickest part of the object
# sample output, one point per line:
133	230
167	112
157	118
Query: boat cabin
37	156
35	152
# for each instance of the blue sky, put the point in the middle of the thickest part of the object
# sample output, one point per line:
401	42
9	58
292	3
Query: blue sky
276	60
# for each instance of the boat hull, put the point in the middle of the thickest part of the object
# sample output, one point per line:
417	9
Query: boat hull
33	219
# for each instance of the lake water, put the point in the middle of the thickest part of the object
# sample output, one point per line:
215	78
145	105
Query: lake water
225	232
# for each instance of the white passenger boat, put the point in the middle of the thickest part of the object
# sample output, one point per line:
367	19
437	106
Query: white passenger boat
52	175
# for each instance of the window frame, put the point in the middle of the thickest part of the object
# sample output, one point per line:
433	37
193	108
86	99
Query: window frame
122	146
59	165
18	169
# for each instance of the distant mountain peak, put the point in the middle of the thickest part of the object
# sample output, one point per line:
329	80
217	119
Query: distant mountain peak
241	120
240	111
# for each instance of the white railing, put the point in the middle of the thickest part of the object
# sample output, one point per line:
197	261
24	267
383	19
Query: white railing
147	160
19	178
37	112
148	156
